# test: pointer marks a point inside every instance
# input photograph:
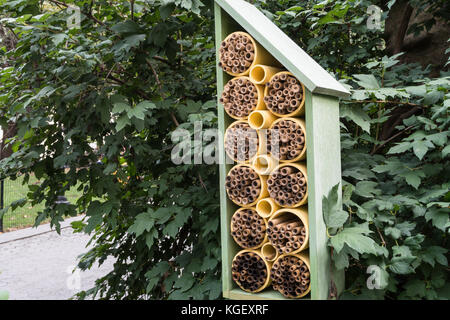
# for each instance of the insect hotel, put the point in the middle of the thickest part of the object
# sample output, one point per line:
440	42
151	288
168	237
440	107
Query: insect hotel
279	114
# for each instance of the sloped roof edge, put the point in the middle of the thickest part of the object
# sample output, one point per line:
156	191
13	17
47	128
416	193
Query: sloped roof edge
297	61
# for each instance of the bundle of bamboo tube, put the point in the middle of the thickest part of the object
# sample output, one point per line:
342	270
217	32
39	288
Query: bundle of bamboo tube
240	97
289	136
287	186
263	96
250	271
291	276
241	141
286	233
284	95
243	185
236	53
248	228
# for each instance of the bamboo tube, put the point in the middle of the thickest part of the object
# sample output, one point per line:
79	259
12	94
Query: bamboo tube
302	125
257	103
267	265
302	214
238	171
302	168
249	156
269	252
258	56
264	164
261	119
261	74
235	218
304	258
300	109
266	207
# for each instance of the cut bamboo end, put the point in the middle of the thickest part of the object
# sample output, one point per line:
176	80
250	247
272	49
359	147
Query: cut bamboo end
290	275
285	100
285	193
266	207
261	74
247	219
244	186
269	252
241	96
240	135
264	164
261	119
248	273
252	51
291	215
295	140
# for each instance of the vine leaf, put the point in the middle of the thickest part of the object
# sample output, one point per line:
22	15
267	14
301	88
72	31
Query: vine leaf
354	237
333	215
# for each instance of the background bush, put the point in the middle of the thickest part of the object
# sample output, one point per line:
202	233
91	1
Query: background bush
115	89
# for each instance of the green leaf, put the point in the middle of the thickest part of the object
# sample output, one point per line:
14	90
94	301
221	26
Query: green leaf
413	178
406	227
126	27
446	151
435	253
185	282
122	122
209	263
367	189
154	275
96	211
438	217
150	238
432	97
401	260
415	288
400	148
58	38
166	10
143	222
393	232
357	115
417	90
354	237
439	139
341	258
367	81
120	107
333	215
421	147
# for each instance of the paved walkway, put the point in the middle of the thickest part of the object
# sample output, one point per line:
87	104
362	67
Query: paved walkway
39	267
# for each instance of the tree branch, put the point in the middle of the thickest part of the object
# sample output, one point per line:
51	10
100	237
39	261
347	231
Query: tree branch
401	31
387	101
390	139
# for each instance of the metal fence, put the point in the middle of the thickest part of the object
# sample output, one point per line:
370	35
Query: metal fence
25	216
22	217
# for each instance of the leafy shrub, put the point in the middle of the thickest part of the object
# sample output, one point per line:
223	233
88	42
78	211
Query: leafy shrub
137	70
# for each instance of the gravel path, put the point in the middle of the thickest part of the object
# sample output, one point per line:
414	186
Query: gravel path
40	267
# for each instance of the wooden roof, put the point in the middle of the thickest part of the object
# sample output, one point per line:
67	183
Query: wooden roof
282	48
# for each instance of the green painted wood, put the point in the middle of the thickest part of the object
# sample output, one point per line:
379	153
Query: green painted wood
224	25
238	294
323	157
286	51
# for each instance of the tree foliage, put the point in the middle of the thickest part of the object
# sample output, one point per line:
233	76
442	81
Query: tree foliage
94	108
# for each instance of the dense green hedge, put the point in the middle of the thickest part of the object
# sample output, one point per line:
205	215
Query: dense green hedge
137	70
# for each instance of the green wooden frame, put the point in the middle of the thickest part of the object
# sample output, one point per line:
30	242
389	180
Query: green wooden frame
323	143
